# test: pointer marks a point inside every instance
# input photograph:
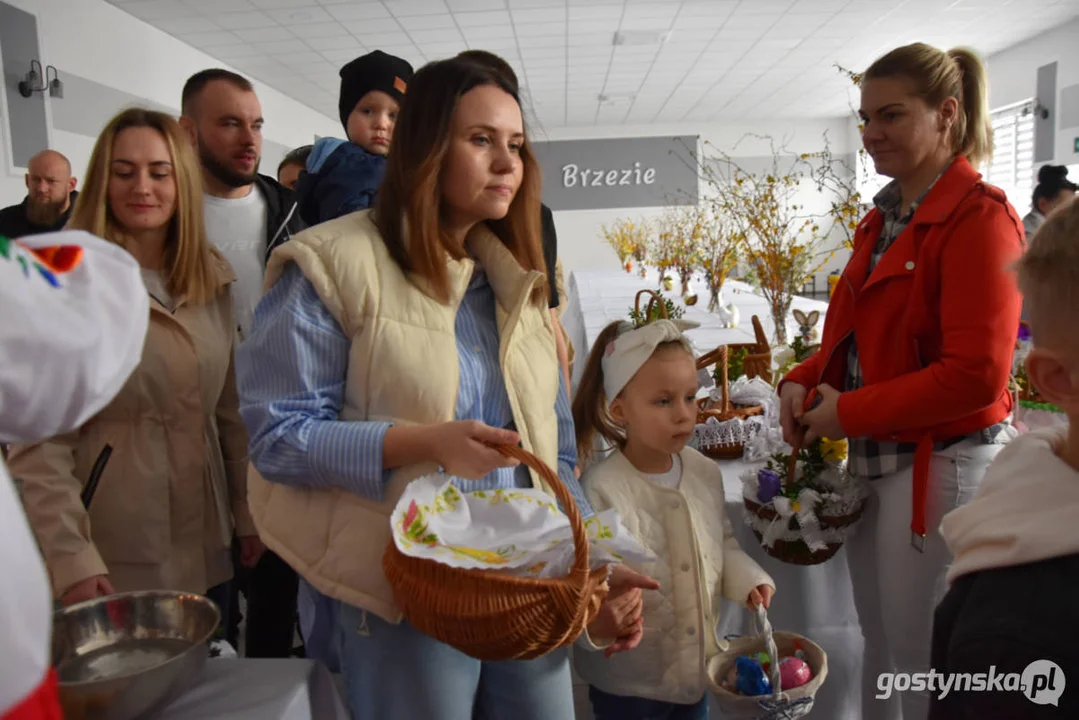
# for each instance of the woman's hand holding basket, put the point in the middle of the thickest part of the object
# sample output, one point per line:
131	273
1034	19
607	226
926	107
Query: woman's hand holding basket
463	448
821	419
792	400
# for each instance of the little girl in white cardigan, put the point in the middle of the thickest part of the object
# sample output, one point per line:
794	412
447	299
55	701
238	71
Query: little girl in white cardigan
638	392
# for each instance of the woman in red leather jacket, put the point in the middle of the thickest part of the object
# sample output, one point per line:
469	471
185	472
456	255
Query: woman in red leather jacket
917	348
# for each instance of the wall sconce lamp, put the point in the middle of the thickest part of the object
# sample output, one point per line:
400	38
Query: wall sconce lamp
38	81
1038	110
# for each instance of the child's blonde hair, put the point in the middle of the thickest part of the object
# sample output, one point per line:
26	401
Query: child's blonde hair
1048	275
591	406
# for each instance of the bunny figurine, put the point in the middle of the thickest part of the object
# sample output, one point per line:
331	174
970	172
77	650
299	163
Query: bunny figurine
807	325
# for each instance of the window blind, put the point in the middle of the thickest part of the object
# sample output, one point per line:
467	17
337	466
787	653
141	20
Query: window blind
1012	165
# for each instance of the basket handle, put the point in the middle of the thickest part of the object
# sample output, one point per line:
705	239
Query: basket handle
763	628
796	449
762	339
655	298
718	357
581	569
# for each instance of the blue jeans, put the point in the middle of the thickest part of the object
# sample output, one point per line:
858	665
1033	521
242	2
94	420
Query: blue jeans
621	707
395	672
318	625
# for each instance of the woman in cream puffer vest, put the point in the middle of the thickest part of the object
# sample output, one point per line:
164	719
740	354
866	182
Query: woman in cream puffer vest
394	342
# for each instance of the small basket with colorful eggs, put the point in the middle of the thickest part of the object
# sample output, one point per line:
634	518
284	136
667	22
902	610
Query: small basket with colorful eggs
769	676
803	506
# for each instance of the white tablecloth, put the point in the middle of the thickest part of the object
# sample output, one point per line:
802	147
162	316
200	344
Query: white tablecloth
242	689
595	298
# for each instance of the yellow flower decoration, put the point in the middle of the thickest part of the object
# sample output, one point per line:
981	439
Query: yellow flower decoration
833	450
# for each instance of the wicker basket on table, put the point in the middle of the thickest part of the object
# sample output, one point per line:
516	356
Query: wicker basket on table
758	359
796	552
655	302
724	411
490	615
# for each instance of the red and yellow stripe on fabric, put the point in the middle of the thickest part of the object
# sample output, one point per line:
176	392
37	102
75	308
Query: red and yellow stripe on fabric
47	261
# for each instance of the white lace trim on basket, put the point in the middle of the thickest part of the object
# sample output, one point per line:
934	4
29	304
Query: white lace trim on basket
729	432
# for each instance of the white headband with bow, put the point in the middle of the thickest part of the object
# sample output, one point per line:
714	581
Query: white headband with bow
628	352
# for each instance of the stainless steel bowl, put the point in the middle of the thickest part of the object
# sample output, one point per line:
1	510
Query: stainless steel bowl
120	656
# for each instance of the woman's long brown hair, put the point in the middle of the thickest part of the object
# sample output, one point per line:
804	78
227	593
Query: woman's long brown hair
591	416
408	210
189	270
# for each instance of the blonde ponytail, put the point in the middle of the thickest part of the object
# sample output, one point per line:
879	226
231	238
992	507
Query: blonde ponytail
590	414
973	133
937	76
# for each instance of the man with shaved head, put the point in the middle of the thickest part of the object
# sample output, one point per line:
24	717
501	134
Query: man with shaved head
50	196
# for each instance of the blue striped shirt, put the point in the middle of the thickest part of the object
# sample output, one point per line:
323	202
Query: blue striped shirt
291	376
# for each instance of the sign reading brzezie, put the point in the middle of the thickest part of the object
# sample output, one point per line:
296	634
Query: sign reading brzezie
619	172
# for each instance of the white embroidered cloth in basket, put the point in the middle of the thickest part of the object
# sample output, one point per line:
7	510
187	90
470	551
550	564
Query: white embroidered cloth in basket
520	531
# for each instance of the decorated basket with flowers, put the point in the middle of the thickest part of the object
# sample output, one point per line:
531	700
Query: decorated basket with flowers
722	431
803	506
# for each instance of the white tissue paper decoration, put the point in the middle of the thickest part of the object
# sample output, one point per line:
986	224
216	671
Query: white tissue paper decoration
844	494
519	531
755	391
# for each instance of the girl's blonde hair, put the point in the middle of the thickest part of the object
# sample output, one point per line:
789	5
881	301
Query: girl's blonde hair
591	406
937	76
189	266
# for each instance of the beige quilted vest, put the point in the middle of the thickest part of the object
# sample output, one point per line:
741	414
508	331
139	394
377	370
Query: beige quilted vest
403	369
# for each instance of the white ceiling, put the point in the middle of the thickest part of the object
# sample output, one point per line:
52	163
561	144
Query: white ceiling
724	60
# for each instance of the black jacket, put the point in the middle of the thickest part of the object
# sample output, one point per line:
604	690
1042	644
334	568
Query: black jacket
1007	618
14	224
550	251
282	217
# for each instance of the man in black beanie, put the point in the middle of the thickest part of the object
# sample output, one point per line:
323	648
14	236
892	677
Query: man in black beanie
342	177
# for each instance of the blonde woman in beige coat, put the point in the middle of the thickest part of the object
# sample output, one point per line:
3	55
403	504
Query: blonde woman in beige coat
174	488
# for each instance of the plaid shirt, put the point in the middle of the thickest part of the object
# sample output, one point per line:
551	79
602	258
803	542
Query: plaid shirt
869	458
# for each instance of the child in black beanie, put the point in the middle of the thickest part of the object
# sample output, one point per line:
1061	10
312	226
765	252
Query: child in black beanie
343	177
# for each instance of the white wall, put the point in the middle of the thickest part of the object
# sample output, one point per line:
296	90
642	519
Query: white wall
104	44
580	243
1013	77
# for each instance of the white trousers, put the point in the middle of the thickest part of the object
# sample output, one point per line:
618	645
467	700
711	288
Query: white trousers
897	588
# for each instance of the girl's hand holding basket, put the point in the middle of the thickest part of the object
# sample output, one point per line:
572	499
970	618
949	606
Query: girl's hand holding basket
619	616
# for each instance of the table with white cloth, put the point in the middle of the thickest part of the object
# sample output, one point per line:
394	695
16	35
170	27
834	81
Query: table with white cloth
595	298
245	689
